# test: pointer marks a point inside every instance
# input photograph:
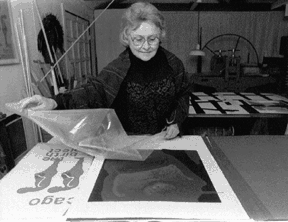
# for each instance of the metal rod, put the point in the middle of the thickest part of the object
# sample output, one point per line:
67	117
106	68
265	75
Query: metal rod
30	91
60	73
21	59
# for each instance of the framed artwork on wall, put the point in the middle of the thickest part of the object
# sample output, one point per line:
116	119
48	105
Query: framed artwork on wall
8	49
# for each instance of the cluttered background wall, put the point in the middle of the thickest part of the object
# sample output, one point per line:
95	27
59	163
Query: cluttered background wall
263	29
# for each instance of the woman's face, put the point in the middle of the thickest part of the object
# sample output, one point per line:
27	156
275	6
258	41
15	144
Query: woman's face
144	41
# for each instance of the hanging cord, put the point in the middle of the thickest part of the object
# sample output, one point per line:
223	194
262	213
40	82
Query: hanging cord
76	41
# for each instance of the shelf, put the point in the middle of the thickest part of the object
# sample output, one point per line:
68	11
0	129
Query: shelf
219	83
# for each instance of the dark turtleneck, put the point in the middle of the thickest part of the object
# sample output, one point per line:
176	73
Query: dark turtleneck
146	71
146	95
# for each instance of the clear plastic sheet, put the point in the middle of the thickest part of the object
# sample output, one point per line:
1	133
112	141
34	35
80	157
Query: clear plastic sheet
93	131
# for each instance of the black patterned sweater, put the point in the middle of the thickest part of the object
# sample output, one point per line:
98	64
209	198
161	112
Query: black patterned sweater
145	95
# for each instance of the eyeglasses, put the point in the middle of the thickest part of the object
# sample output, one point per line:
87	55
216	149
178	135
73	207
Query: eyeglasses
139	41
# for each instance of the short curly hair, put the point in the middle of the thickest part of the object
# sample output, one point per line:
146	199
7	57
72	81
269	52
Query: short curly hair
136	14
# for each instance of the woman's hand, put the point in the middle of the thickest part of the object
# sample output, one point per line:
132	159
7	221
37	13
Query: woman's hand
172	131
38	102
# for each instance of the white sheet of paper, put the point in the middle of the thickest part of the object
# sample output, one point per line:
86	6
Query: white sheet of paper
228	209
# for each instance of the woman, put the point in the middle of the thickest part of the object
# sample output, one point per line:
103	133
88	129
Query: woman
146	85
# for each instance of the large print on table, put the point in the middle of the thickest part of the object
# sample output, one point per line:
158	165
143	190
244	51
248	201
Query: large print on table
167	175
179	180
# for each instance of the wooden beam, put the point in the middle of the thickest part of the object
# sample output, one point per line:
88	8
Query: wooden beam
200	7
286	10
194	5
278	3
